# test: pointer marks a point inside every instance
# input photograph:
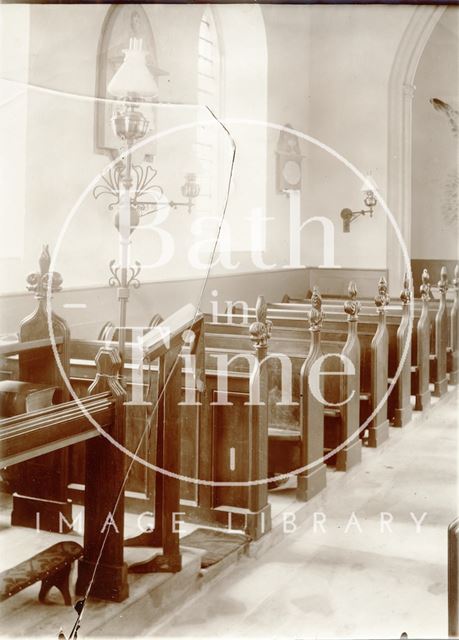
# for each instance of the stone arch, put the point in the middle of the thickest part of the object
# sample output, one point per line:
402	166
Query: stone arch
401	92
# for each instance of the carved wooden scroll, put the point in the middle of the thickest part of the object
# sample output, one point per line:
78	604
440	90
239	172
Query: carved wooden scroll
422	391
351	453
313	479
378	428
441	338
402	390
454	369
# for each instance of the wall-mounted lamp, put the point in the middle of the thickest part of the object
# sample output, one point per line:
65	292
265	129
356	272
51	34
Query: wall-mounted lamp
369	201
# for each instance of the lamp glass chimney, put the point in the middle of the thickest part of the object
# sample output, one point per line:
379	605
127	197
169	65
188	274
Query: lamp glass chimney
133	78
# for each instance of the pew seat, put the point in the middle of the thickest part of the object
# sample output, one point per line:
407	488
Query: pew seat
287	435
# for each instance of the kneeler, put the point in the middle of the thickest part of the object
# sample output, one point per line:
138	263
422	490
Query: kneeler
216	545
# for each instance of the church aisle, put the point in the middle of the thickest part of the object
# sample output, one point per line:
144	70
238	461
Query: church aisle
344	580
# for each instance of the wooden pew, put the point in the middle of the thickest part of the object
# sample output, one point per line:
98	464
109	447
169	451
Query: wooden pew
414	375
205	458
443	318
31	435
40	485
28	436
103	460
438	309
311	479
304	448
289	329
421	348
400	398
420	362
140	485
166	418
160	398
232	444
442	337
296	434
341	422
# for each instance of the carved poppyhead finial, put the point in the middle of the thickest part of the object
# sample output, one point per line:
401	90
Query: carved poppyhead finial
44	260
425	286
443	282
352	306
405	294
382	299
261	310
316	315
260	330
44	281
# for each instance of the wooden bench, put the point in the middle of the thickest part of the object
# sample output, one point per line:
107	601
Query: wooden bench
419	371
33	361
291	433
414	374
443	313
442	324
29	436
52	566
215	446
290	335
36	444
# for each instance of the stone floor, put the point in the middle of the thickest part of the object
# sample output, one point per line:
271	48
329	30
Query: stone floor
351	579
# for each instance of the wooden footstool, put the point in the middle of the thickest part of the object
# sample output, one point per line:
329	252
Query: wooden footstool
52	566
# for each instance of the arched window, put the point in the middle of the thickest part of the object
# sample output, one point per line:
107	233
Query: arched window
208	86
233	93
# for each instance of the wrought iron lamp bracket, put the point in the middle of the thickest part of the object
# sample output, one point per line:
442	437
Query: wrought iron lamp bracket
131	278
348	216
